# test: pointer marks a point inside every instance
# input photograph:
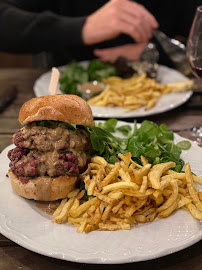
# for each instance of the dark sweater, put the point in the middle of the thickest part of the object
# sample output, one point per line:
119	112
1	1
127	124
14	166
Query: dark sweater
34	26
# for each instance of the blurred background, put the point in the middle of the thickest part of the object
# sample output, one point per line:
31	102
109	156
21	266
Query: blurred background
14	60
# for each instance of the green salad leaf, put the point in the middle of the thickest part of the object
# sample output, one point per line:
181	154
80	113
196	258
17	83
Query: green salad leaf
155	143
75	74
97	70
109	125
184	145
125	130
105	144
54	124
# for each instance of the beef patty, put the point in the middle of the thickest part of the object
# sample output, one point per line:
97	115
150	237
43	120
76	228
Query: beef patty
53	152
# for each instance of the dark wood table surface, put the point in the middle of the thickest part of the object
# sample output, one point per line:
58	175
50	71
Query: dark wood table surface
180	120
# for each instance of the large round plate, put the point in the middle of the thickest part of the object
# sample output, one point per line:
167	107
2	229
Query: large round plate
24	224
165	103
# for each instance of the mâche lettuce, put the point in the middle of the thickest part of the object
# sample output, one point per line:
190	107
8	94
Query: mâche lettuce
53	124
155	143
75	74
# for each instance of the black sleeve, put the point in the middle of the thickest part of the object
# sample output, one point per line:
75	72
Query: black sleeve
32	27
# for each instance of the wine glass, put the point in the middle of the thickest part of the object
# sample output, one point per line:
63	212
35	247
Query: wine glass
194	44
194	55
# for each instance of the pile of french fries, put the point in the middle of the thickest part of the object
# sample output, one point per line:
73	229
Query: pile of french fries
136	92
127	193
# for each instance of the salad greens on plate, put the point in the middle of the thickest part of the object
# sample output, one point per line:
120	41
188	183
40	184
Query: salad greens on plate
75	74
155	143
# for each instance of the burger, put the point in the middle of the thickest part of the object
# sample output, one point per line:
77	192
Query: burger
52	148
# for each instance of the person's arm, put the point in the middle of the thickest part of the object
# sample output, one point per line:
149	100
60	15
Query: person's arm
29	26
119	17
129	51
24	31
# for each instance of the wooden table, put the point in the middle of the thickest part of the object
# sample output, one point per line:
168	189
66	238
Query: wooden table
179	120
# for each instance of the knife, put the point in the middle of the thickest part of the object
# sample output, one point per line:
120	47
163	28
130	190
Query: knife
175	50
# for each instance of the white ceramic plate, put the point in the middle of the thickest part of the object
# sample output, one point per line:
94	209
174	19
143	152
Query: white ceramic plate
165	103
26	225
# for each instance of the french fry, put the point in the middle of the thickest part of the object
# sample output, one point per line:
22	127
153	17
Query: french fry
182	191
135	92
120	185
116	208
140	218
95	166
151	103
80	195
141	172
127	200
87	181
99	160
126	159
82	208
166	192
60	207
75	204
144	185
149	192
102	206
197	179
100	174
151	216
135	164
148	211
75	221
73	193
110	176
81	228
200	195
91	188
157	196
191	187
65	210
116	195
124	175
144	160
171	199
182	176
169	210
91	210
157	171
193	210
183	201
107	211
131	193
96	218
113	227
103	198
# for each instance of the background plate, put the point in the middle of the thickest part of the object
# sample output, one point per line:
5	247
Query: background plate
165	103
23	223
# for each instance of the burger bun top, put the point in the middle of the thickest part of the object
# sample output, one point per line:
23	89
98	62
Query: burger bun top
66	108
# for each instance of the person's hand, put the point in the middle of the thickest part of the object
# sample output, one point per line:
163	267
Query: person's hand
116	17
129	51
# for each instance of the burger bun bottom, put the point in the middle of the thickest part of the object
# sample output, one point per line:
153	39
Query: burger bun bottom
43	188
